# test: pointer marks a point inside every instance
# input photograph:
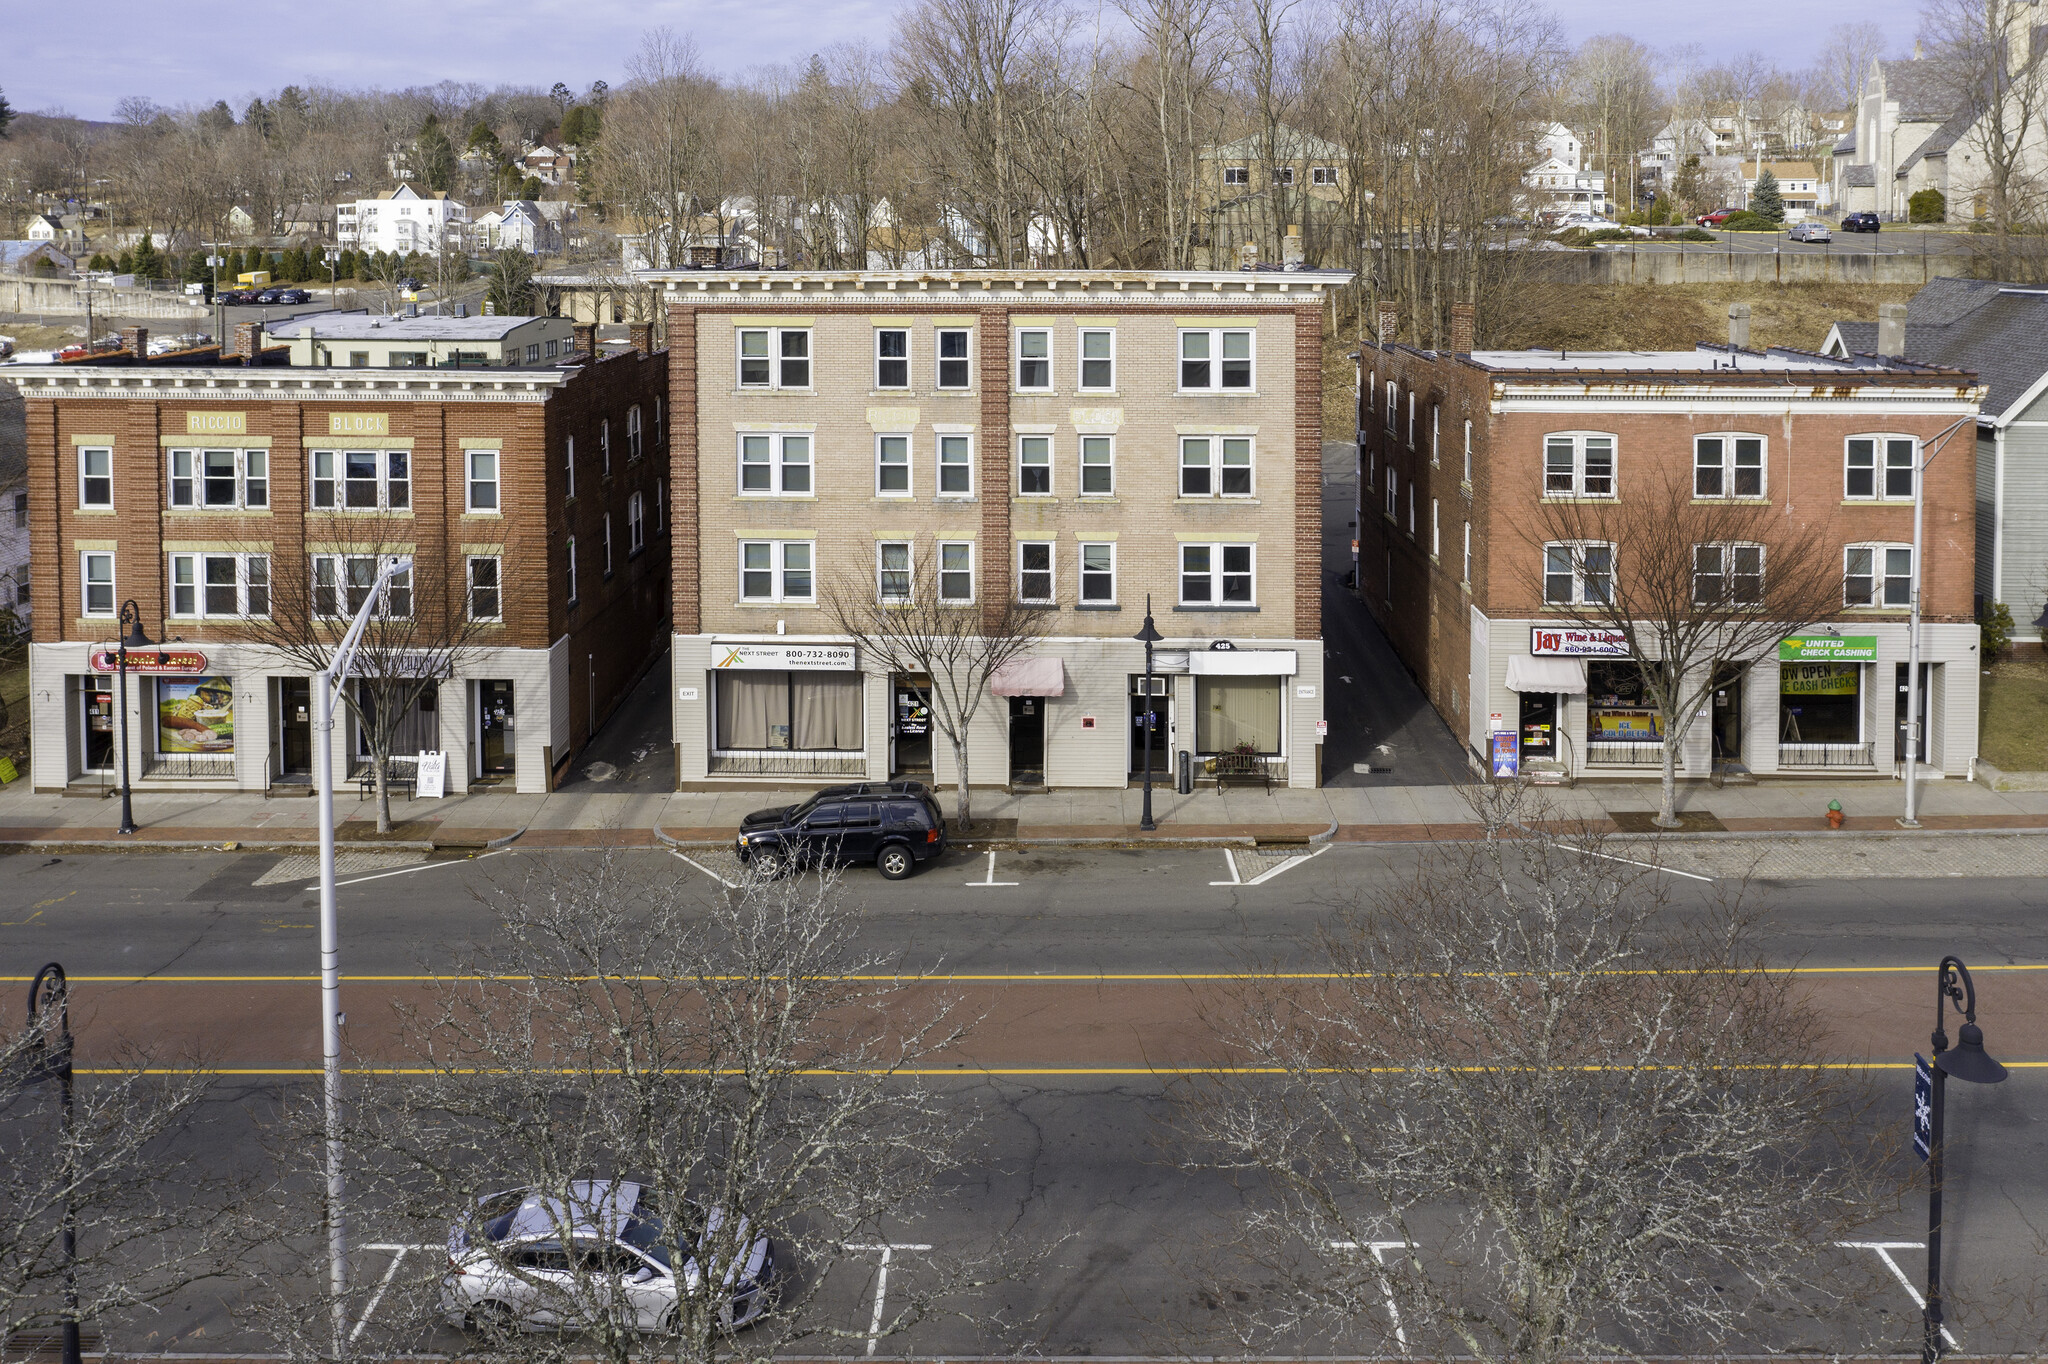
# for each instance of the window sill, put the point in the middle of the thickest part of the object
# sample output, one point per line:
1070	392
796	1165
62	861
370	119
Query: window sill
488	515
1098	606
777	605
1731	501
1877	501
1098	499
93	511
1573	499
1236	610
1029	498
366	511
1216	393
1217	500
219	511
768	391
775	497
913	394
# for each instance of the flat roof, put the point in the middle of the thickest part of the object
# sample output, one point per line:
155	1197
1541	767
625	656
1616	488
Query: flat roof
1701	361
357	327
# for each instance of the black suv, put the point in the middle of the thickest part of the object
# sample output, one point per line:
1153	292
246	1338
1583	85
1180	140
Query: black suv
894	825
1861	222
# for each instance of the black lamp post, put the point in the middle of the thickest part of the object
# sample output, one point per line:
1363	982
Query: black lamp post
131	638
1967	1062
1148	637
49	1058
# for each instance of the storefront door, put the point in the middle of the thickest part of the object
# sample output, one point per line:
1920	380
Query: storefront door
1727	708
294	725
1899	714
96	696
495	729
1160	732
1539	725
911	726
1027	741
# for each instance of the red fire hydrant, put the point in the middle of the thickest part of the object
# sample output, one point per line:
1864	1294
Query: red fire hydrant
1835	815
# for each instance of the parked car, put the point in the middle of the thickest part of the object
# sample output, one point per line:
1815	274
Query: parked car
1861	222
293	296
269	296
509	1269
410	285
234	298
894	825
1717	217
1811	230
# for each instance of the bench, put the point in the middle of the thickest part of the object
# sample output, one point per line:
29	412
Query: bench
1242	767
395	776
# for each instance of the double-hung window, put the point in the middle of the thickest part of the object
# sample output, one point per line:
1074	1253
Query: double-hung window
775	357
892	466
1034	466
1436	432
892	570
483	481
1393	408
1034	571
569	570
1578	574
96	574
1098	359
1216	575
1468	455
1877	575
569	467
362	480
604	446
1578	465
95	476
1098	573
220	478
342	583
486	594
1034	360
607	544
892	357
220	585
777	571
776	464
1727	575
632	433
1728	466
1215	360
1215	466
1880	467
1098	466
956	466
955	366
636	524
956	571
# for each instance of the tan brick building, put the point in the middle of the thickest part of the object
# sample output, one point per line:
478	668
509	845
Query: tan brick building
1081	439
1460	451
531	497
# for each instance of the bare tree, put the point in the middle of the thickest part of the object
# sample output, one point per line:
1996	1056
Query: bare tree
657	158
1844	63
1535	1111
1695	581
1985	50
960	646
1612	89
1177	71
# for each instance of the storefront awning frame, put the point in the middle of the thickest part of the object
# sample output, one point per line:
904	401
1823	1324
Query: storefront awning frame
1559	675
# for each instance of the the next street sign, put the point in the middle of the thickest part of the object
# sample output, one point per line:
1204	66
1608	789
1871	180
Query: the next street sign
1828	648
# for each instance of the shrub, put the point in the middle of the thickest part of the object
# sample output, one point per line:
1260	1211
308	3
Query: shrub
1994	627
1749	222
1927	206
1765	200
1690	234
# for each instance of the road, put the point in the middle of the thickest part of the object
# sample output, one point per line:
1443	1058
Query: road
1077	1075
1843	244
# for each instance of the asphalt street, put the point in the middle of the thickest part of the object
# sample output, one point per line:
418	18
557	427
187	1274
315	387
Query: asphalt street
1843	244
1091	968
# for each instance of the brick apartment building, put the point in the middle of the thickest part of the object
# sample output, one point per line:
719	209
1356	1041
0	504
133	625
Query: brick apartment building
531	497
1460	451
1082	439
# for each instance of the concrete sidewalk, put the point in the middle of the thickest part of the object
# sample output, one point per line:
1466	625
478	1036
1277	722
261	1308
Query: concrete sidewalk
1358	814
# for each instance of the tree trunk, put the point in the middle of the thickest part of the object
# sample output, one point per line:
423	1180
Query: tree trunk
381	765
1667	807
964	812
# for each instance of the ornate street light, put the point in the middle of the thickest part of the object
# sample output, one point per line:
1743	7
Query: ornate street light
1148	636
1967	1062
131	638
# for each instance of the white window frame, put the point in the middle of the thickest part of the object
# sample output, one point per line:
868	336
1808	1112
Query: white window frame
569	467
779	571
1725	571
569	577
952	440
633	433
1217	575
1881	450
194	565
1578	551
940	359
1323	175
1107	466
1214	468
387	486
1436	532
397	593
1436	435
1467	578
660	507
779	464
1237	175
604	446
1411	419
1468	453
903	359
777	357
1726	469
1051	571
248	479
907	464
1393	408
908	572
471	483
1583	484
1044	362
1214	361
1880	552
1082	360
636	525
87	478
87	581
606	528
946	599
497	587
1045	442
1083	573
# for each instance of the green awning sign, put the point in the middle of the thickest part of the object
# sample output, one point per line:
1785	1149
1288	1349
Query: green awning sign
1828	649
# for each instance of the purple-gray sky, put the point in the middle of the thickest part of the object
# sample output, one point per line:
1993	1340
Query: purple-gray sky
83	60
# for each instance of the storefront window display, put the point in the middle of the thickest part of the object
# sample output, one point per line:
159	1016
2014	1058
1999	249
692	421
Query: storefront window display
1621	718
195	716
801	711
1237	715
1820	703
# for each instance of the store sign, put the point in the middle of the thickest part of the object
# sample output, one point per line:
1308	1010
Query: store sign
1840	648
430	775
196	717
1571	641
796	657
1819	679
150	661
358	424
216	423
1507	754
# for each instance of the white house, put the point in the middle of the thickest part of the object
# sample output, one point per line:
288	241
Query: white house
403	221
1560	183
1804	190
518	223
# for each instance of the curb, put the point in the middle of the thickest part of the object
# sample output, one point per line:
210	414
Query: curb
505	841
210	845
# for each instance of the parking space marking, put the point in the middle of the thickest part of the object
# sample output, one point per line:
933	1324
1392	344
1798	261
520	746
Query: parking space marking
397	1254
1884	1251
1237	874
1379	1249
888	1249
1651	866
426	866
729	885
1235	879
991	881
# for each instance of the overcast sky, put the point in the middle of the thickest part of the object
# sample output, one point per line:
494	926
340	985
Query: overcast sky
84	59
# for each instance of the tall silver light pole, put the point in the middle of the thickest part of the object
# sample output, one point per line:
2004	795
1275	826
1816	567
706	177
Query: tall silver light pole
330	938
1911	819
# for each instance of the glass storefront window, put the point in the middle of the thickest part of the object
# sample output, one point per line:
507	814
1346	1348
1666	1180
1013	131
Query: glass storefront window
1237	715
803	711
1619	710
196	716
1820	703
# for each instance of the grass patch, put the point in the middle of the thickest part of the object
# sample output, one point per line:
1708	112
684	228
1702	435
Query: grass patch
2013	725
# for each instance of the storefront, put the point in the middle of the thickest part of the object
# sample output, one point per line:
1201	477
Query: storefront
1824	710
788	710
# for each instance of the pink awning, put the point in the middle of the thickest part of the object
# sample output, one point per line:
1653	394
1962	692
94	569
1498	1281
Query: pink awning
1029	677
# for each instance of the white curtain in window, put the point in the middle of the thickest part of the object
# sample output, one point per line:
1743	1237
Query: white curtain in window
827	711
1237	710
753	710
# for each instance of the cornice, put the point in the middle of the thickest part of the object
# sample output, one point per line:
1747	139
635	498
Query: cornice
1125	288
239	385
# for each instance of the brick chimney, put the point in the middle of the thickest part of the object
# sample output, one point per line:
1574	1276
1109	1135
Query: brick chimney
1248	256
586	339
1461	329
641	334
1290	248
135	340
1390	321
1738	325
248	341
1891	330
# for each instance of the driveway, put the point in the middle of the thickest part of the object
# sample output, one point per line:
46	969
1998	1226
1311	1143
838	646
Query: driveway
632	751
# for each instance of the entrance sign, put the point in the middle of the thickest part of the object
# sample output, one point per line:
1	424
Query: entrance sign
430	775
811	657
1572	641
1923	1106
150	661
1828	648
1507	754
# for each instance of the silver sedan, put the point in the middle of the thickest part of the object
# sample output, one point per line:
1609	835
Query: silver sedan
1809	231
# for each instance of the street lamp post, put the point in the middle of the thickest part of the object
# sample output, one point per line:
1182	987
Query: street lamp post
1967	1062
49	1058
1911	819
1148	636
131	638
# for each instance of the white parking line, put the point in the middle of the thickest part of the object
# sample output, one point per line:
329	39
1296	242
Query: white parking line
991	881
1652	866
729	885
888	1249
1269	873
1235	879
1884	1251
1393	1309
397	1253
424	866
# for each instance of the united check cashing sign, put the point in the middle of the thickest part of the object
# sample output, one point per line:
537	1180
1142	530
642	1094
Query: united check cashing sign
1828	649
